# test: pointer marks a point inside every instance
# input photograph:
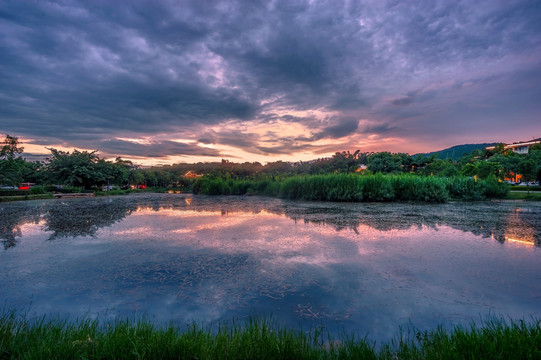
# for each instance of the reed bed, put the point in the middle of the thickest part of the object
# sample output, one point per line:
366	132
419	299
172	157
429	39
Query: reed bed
356	188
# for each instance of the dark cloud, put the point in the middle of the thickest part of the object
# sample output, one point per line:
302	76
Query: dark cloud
406	100
155	149
342	127
403	101
284	149
83	72
378	128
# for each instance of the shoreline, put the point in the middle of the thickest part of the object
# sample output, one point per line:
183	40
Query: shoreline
494	338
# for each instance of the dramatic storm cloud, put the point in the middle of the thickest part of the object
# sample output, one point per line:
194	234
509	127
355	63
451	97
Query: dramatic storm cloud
164	81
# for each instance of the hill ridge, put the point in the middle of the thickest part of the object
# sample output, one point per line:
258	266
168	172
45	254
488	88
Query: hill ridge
457	151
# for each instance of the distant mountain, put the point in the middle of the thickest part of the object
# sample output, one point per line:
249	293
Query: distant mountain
455	152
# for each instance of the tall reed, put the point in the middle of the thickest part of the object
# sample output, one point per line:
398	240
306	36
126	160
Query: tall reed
355	188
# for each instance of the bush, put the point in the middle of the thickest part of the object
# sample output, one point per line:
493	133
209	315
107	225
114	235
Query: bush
493	189
469	189
35	190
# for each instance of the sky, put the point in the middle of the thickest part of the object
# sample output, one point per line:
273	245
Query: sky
161	82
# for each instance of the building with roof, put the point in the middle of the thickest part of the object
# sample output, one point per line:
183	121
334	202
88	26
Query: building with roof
519	147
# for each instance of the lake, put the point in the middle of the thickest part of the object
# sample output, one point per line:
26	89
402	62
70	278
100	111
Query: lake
357	268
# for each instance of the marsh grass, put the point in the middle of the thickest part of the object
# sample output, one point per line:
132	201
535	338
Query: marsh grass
256	339
355	188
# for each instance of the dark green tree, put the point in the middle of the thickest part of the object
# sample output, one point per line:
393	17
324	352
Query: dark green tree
483	169
76	169
346	162
10	148
508	162
529	170
33	172
384	162
439	167
10	172
486	169
534	154
11	164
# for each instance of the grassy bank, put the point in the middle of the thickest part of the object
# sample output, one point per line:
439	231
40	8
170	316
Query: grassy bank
526	188
87	339
523	195
26	197
353	187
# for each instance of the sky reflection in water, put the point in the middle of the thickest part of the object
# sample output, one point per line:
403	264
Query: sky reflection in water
367	268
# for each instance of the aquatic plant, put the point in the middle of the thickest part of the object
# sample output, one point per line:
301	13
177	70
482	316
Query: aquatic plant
354	188
470	189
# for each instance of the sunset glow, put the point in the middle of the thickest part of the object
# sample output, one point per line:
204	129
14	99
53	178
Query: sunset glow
165	82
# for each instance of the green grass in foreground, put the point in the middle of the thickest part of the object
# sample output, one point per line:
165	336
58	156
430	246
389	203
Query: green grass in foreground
87	339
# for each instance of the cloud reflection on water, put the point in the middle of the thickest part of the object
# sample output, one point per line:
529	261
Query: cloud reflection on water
366	267
83	217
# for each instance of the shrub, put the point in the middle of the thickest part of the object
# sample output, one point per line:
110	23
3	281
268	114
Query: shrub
469	189
35	190
491	188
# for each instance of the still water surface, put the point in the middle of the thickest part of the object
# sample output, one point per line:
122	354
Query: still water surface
362	268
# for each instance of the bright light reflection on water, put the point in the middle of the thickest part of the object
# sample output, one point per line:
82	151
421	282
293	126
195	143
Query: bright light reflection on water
364	268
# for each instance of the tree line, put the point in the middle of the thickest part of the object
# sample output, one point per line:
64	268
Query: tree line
86	169
82	169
